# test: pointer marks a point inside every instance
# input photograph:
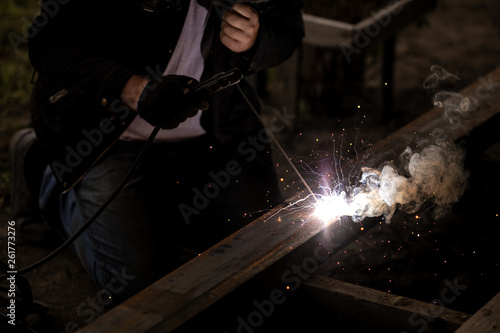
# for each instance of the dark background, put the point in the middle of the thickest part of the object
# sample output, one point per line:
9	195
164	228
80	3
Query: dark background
462	36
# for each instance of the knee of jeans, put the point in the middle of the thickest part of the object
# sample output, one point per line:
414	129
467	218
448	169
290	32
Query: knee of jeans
49	202
120	283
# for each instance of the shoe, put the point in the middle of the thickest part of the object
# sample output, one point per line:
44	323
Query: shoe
27	166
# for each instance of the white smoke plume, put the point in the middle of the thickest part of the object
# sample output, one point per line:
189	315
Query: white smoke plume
437	75
432	176
435	176
456	107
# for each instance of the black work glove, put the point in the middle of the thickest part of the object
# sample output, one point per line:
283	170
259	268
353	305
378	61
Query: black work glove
165	101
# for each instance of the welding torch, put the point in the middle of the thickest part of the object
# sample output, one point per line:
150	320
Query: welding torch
202	90
205	89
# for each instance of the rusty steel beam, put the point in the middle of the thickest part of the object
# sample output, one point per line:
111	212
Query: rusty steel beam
381	311
204	280
270	243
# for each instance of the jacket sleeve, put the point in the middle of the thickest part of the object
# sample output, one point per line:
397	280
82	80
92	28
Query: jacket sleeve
280	33
60	49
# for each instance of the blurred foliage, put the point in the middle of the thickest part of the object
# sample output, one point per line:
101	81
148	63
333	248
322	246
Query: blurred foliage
15	76
16	70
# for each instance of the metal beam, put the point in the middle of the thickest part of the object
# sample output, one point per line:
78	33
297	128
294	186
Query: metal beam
270	243
381	311
486	320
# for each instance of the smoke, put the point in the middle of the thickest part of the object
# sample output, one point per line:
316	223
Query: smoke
435	176
432	175
456	107
438	74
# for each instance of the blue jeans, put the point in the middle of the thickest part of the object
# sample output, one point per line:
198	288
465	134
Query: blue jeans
184	198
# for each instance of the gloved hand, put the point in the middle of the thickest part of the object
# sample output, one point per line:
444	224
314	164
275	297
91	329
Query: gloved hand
165	101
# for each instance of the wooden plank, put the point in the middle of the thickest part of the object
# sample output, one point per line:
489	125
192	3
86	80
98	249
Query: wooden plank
379	25
271	239
199	283
486	320
486	89
326	32
388	21
381	311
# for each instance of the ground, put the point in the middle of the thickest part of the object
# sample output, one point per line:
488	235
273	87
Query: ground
462	36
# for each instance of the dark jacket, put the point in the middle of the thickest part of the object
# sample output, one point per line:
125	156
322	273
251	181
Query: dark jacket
85	51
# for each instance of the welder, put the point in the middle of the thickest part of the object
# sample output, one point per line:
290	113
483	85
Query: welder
108	73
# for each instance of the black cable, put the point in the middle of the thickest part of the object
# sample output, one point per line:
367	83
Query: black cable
105	205
213	85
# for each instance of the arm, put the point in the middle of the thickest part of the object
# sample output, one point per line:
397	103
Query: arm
132	91
240	28
265	36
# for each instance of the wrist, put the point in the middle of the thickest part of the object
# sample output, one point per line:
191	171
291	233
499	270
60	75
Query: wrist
132	91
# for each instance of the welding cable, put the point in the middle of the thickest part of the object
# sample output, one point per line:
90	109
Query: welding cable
129	174
87	224
212	86
139	159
